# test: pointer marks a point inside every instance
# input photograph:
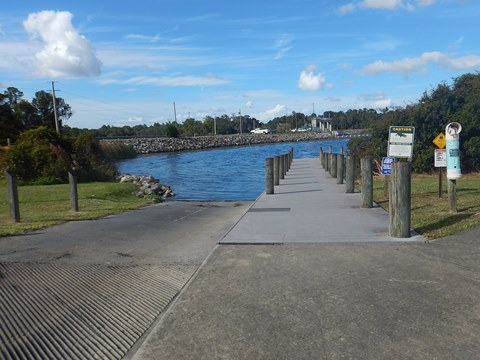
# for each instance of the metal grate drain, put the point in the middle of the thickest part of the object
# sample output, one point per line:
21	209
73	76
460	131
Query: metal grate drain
58	311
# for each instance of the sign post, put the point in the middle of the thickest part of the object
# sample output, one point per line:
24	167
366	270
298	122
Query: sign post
440	156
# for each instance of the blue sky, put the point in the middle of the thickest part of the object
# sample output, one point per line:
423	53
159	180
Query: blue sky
126	62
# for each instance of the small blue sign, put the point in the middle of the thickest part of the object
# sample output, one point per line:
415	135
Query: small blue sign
387	165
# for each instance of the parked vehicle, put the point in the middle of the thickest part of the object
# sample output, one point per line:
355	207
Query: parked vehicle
261	131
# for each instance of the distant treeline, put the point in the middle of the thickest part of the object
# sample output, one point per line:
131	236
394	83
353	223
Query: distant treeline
459	102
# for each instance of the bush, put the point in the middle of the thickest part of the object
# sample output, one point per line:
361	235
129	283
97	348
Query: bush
90	162
39	155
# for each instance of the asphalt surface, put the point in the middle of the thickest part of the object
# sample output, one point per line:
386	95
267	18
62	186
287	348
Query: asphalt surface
301	274
267	293
93	289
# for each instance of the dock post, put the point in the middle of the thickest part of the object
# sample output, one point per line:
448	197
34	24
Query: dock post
322	160
281	163
400	200
269	176
350	174
333	168
276	170
340	162
367	182
13	197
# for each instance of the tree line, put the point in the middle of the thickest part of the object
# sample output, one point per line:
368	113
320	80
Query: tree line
459	101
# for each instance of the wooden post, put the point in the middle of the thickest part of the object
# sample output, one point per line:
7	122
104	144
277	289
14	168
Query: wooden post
276	170
322	161
452	196
350	174
13	197
281	164
269	176
72	179
367	182
340	168
400	200
333	169
386	188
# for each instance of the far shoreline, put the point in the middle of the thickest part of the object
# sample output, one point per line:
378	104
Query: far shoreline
151	145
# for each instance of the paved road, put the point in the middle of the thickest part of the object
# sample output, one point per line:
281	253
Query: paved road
295	280
92	289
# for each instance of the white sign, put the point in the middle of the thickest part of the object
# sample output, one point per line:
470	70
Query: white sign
400	141
440	157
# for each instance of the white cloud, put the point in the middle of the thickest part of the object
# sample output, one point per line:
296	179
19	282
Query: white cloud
135	120
462	63
385	5
418	64
281	44
65	53
376	100
272	113
249	105
188	80
309	81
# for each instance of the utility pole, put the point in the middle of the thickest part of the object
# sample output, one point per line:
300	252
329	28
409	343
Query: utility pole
240	113
174	112
55	108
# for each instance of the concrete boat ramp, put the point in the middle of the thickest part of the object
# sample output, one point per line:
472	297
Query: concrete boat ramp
300	274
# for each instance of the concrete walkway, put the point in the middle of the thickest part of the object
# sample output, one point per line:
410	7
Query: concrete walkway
306	274
310	207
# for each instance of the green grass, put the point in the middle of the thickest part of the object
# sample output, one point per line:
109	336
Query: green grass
42	206
430	214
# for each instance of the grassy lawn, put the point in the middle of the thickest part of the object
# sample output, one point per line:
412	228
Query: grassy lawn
43	206
46	205
430	214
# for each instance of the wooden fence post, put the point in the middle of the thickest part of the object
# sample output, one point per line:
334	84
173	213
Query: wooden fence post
280	167
13	197
72	179
367	182
321	158
400	200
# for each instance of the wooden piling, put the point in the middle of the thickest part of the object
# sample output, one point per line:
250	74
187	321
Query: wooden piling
350	174
340	163
367	182
276	170
400	200
269	188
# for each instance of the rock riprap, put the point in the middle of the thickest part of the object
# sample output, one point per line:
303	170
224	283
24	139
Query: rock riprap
163	144
147	186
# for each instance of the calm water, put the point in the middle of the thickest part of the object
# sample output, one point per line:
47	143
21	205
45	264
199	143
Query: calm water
236	173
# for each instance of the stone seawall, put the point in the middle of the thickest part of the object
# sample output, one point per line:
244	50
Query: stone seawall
163	144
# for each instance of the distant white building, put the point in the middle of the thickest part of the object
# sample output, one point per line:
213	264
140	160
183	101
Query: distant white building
322	124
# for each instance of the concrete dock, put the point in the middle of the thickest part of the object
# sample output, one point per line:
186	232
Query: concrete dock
306	274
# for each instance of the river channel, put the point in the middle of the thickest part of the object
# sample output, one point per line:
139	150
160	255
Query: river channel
233	173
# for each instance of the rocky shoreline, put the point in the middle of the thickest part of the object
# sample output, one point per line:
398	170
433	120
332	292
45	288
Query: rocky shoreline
164	144
147	186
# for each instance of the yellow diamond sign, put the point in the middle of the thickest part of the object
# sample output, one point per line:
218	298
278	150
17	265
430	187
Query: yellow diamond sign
440	141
